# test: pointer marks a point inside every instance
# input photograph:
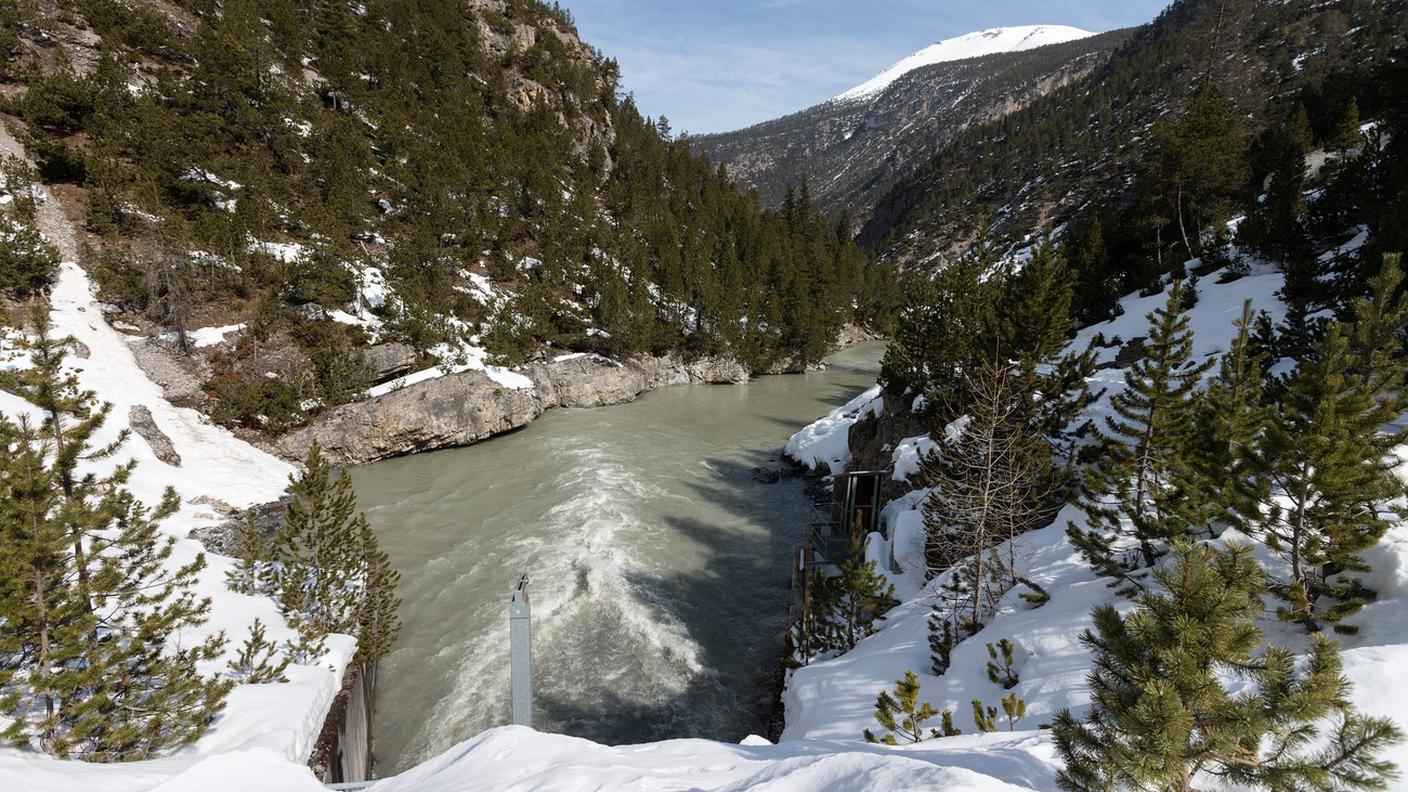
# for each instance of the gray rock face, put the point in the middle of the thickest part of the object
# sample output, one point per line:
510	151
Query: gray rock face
586	381
450	411
465	408
385	361
145	426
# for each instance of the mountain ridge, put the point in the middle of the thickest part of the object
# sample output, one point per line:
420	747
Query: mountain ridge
977	44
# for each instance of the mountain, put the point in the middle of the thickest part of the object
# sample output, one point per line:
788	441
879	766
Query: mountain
973	45
854	147
1081	144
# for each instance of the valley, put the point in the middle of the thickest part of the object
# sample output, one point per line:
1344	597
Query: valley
1030	416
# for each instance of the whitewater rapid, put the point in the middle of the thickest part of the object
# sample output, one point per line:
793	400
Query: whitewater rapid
658	567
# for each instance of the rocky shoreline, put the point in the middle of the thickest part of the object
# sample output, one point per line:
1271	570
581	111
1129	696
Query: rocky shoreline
468	407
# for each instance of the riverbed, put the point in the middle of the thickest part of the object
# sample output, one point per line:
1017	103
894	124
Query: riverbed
658	565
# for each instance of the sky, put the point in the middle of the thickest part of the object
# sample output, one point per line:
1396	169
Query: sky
719	65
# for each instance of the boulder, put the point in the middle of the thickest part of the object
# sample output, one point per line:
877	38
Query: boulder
765	476
460	409
454	410
142	422
385	361
586	381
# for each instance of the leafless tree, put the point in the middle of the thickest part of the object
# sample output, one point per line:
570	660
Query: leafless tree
992	480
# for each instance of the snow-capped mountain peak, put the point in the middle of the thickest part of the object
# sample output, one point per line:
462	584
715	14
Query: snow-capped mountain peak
971	45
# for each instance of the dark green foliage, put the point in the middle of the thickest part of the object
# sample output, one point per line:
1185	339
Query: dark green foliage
268	403
430	156
1161	714
339	372
1038	596
1324	487
253	554
1001	666
331	576
90	600
27	262
903	716
942	638
1276	226
1192	175
258	661
1133	494
1081	145
846	606
1229	415
947	324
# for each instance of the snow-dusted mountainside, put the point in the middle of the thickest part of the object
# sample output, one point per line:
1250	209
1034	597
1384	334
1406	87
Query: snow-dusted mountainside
852	148
1081	143
972	45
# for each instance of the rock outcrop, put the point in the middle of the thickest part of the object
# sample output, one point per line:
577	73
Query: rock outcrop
141	420
454	410
460	409
385	361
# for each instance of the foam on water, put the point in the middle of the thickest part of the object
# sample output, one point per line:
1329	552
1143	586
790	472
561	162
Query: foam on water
582	595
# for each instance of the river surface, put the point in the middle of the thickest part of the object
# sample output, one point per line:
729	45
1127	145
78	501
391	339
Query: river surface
659	568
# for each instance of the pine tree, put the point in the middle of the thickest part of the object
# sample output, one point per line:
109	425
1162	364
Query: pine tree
1014	708
331	576
71	418
990	483
903	715
1001	666
1036	318
378	624
1229	416
253	556
1377	336
1276	225
258	661
1133	492
984	717
849	603
942	638
92	671
1161	715
1324	484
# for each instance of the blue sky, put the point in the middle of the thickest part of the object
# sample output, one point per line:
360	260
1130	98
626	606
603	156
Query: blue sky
716	65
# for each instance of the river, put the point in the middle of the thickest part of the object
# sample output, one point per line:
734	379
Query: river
658	566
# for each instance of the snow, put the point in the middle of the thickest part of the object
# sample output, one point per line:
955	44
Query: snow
209	336
908	454
972	45
828	440
515	759
266	732
473	358
285	252
833	700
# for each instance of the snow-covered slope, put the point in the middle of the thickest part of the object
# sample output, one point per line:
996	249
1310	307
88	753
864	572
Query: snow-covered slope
834	699
266	732
972	45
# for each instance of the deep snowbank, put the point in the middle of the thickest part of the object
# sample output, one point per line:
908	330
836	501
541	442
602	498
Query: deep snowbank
515	759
